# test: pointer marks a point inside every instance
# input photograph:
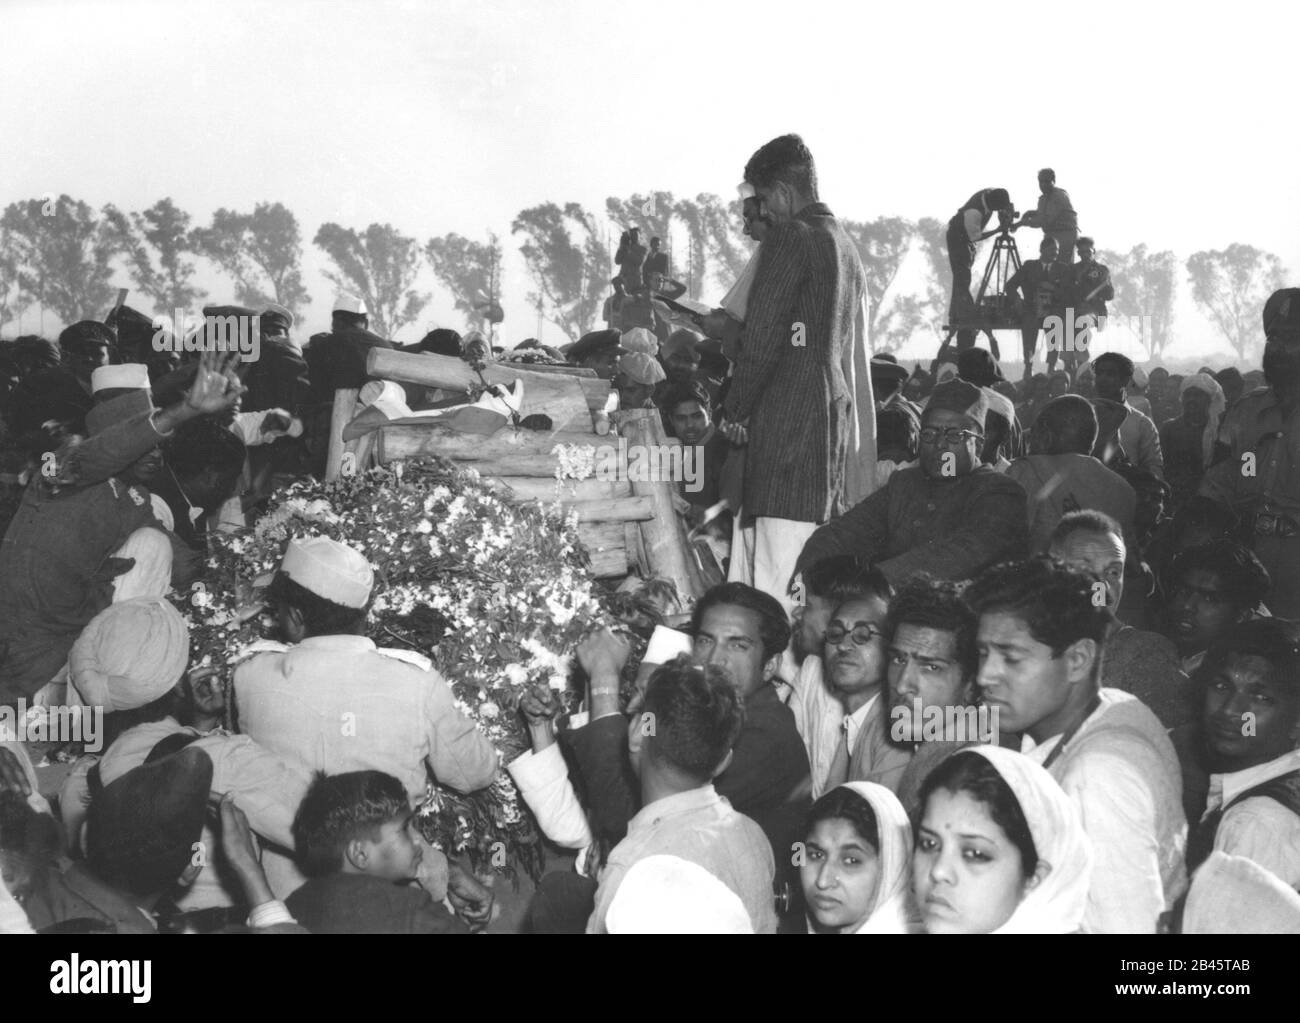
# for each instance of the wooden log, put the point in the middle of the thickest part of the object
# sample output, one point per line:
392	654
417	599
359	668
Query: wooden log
663	534
345	401
606	545
410	440
548	489
567	371
455	375
618	509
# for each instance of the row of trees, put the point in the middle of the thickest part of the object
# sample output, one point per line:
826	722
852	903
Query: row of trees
60	252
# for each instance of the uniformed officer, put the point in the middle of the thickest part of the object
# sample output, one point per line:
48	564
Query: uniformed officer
336	702
1258	474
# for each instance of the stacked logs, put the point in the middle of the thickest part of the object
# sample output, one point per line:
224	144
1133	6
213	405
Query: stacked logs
625	523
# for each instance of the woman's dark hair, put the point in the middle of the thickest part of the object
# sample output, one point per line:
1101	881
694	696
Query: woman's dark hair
774	623
974	775
320	616
842	803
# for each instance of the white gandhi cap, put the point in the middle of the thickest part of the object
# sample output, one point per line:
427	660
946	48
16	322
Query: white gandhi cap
350	304
329	569
132	375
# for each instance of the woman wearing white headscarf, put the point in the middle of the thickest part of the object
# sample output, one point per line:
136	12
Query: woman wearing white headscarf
1188	441
856	863
1000	848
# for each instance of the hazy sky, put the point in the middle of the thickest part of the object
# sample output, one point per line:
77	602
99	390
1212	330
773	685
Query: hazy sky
1173	125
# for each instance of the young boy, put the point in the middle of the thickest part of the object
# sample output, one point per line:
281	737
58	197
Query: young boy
355	838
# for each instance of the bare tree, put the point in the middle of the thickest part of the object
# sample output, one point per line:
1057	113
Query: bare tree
568	262
162	234
62	252
261	251
884	244
471	271
1231	285
380	264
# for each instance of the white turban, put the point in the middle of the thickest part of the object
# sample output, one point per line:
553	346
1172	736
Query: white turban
1218	404
130	654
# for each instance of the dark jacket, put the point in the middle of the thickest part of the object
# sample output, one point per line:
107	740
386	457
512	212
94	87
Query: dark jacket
360	904
766	779
950	527
56	564
789	381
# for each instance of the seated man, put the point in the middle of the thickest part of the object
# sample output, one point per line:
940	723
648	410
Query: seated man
1060	475
1138	662
1250	729
819	713
335	702
681	741
930	665
949	517
1212	587
1041	638
82	539
356	840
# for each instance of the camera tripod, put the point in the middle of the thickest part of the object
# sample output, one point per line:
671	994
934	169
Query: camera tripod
993	309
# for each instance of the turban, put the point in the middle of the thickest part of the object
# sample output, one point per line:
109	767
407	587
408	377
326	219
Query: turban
1282	312
638	339
130	654
640	368
1218	404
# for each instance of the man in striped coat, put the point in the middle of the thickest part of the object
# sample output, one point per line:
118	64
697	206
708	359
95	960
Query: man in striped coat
801	388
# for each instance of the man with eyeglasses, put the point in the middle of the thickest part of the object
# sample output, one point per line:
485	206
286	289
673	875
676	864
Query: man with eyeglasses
854	656
948	517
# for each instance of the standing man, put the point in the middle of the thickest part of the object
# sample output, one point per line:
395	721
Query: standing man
656	262
1262	433
631	258
1055	215
1089	290
966	228
804	326
1138	436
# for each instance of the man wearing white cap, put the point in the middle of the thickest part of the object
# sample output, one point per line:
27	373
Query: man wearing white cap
336	702
335	361
82	538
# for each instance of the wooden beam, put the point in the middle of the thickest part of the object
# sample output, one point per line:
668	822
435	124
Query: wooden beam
549	489
345	400
456	375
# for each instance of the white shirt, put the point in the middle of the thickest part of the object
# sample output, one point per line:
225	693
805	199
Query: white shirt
1260	829
1123	775
819	716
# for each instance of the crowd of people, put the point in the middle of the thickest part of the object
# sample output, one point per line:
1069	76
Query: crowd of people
989	657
